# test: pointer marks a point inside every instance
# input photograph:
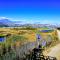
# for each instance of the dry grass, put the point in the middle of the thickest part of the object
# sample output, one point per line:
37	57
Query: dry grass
29	34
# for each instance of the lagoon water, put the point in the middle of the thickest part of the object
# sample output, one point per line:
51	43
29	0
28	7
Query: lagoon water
2	39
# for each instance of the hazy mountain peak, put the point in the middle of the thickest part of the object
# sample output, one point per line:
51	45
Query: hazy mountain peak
6	21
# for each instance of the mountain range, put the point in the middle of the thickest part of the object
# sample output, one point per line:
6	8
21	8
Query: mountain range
4	22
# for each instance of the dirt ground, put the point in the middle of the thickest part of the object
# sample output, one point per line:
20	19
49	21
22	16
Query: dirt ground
55	50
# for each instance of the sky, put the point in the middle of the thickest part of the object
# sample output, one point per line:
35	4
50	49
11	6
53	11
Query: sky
31	11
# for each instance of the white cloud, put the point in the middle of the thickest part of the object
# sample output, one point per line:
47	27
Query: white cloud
36	21
2	17
48	22
5	18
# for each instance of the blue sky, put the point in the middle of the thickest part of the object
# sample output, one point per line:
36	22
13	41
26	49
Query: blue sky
31	11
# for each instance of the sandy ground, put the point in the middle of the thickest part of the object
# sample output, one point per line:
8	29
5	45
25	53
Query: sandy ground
58	32
54	52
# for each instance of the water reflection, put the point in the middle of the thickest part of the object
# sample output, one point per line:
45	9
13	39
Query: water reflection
2	39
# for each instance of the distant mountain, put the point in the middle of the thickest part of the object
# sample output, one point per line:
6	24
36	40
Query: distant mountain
3	25
6	23
39	25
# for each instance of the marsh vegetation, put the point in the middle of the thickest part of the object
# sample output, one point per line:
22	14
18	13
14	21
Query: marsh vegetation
20	41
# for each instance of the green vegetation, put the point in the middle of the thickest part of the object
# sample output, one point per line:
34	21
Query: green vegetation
2	35
15	38
25	28
18	36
